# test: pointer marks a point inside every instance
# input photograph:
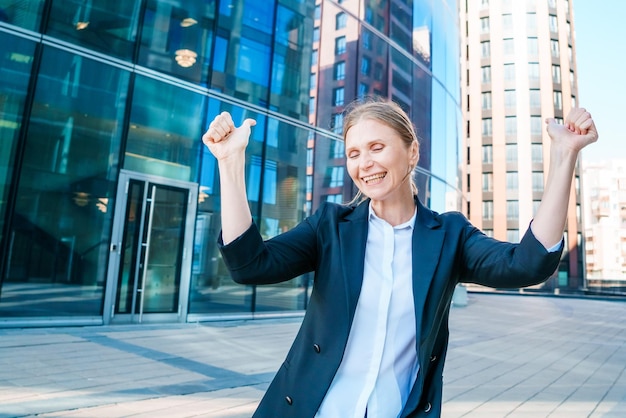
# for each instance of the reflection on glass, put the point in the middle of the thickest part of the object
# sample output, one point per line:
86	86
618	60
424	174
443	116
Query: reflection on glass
105	26
291	59
276	185
152	248
177	37
164	130
60	232
164	237
23	13
16	59
129	274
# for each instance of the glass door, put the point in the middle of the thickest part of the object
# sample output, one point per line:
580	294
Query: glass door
150	251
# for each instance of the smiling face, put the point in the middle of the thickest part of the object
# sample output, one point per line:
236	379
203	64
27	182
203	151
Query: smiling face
380	162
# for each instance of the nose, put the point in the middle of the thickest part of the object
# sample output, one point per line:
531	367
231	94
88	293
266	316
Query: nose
366	162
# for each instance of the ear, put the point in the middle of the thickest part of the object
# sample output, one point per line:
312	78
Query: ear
414	153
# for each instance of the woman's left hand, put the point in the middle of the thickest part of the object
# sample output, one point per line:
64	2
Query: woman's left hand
577	131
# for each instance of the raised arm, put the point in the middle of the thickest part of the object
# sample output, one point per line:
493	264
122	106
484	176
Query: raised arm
577	131
228	145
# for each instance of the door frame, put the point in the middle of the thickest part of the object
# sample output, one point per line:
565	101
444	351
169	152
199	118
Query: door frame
117	232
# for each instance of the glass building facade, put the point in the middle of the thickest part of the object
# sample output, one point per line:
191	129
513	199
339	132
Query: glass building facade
109	202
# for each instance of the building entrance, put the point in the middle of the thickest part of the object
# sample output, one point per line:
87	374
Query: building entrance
151	250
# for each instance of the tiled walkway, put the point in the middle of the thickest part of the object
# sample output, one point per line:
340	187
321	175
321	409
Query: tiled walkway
509	356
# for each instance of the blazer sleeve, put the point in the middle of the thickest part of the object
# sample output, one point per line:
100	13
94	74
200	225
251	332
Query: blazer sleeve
251	260
494	263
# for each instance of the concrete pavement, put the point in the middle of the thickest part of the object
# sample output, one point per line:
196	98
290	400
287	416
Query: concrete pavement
509	356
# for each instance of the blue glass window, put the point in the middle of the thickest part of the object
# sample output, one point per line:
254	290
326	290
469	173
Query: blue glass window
254	62
259	15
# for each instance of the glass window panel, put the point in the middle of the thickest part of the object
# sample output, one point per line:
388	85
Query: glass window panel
536	153
510	125
507	22
487	182
291	63
558	100
338	96
16	60
61	229
485	49
340	45
484	24
508	46
486	100
509	72
340	71
556	74
254	61
486	74
554	48
535	98
25	13
365	66
510	99
512	210
338	149
282	209
219	54
340	20
554	27
531	22
512	180
164	131
535	125
533	70
487	154
533	46
106	26
487	127
363	89
487	209
176	37
257	14
511	153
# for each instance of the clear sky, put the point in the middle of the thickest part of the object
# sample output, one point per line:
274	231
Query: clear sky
600	30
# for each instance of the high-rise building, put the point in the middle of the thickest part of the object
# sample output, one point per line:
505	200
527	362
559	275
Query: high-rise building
604	191
109	202
401	50
518	68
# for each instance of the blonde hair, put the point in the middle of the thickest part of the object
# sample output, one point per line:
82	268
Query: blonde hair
388	113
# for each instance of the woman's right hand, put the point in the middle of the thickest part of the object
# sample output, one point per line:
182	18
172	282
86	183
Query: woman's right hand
226	141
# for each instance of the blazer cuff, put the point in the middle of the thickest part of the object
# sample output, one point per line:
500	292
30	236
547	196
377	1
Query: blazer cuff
245	248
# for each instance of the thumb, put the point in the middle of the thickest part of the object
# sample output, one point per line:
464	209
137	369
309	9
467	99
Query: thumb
550	120
249	122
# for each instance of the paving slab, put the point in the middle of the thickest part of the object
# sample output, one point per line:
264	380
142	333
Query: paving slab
510	356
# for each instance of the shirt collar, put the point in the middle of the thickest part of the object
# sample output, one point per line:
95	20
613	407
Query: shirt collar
405	225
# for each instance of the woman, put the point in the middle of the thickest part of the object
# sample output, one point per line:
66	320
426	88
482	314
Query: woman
374	337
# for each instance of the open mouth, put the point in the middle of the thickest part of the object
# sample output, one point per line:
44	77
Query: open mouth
374	178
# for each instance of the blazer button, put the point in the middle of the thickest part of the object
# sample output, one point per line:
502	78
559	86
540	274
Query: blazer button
289	400
317	348
428	407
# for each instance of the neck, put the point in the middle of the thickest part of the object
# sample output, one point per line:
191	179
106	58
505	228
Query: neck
395	212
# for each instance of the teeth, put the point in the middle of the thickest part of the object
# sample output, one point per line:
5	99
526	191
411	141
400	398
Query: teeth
374	177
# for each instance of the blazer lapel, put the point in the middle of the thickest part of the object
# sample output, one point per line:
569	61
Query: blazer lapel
353	237
427	246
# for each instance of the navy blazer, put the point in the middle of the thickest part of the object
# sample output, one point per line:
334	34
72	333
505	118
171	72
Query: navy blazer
447	250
